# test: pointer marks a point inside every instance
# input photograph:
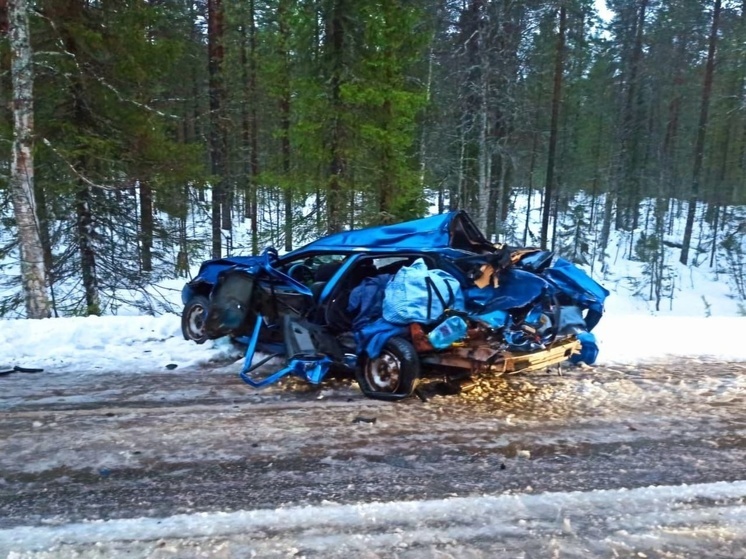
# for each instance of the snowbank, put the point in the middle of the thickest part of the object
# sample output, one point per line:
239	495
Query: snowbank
146	343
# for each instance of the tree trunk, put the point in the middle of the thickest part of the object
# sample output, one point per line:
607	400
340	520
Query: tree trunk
84	226
181	269
386	185
217	135
606	225
632	144
493	206
146	226
556	95
33	274
335	42
254	133
247	98
483	186
43	218
672	127
425	127
701	131
194	129
531	169
506	181
284	108
456	198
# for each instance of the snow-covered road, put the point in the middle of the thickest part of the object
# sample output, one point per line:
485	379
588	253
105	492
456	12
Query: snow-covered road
622	461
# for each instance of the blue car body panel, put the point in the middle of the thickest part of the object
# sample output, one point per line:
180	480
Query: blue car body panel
579	287
517	289
211	269
436	234
429	233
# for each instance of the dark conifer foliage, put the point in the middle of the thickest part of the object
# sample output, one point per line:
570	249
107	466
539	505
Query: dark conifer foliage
173	130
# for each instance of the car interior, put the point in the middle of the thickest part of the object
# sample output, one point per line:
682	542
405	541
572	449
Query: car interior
335	315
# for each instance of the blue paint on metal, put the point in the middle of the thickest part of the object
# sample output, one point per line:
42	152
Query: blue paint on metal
250	350
311	368
342	272
433	232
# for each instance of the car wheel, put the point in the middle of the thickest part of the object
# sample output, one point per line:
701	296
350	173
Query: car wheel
193	319
392	375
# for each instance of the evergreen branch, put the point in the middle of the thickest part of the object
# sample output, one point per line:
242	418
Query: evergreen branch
100	79
145	106
77	173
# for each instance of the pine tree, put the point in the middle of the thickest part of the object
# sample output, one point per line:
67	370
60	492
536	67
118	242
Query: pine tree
553	127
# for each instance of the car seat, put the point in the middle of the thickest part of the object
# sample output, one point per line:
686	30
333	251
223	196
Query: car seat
338	320
321	277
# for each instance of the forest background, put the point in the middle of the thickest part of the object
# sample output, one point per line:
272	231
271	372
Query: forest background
164	132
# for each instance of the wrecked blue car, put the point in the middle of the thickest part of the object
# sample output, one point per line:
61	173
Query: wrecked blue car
396	303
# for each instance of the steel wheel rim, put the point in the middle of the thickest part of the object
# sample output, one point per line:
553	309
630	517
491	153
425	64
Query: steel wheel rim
383	374
196	321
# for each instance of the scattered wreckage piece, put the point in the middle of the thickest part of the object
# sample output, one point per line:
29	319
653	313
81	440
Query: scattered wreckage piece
395	303
487	359
18	369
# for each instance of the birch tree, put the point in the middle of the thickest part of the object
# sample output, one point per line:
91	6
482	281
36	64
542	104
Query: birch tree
22	166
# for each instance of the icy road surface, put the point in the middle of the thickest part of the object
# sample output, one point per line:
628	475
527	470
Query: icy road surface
627	461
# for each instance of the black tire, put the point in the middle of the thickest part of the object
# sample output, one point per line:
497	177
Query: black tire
193	319
393	375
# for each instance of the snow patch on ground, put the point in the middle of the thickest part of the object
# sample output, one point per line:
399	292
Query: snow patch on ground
688	516
106	343
634	339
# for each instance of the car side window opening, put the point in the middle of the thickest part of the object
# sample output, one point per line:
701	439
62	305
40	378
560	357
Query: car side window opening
376	266
313	269
392	264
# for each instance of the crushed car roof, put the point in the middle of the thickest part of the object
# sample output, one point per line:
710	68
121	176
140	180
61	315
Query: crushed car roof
449	230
